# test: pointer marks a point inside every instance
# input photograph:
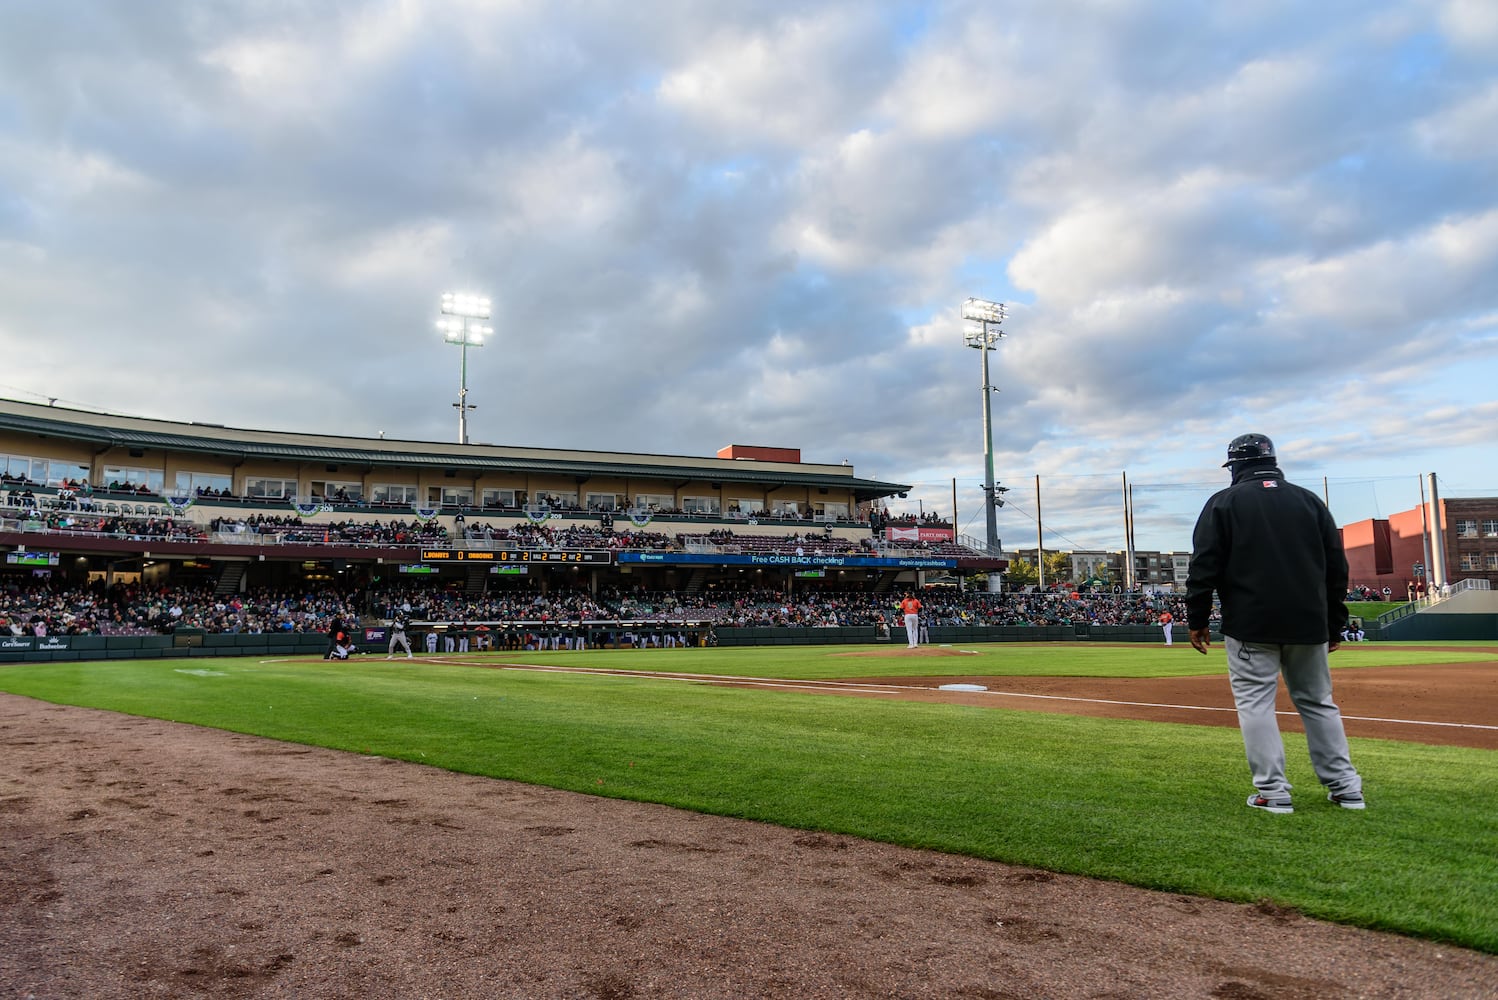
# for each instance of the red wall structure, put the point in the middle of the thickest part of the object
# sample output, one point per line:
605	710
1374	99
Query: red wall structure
760	454
1385	552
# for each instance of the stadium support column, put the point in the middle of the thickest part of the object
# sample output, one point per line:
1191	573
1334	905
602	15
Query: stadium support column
459	325
1421	570
1437	569
1039	538
988	316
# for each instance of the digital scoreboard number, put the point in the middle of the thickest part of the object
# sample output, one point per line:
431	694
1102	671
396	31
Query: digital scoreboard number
593	556
456	555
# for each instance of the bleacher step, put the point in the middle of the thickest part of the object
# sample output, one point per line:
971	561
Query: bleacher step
230	576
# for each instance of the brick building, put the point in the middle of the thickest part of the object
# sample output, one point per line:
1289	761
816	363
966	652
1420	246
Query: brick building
1393	552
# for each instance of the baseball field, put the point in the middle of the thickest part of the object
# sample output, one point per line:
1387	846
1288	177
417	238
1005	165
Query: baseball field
1086	762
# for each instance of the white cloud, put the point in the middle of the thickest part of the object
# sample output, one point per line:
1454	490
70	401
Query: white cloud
1395	284
1463	130
791	81
711	223
1471	24
388	256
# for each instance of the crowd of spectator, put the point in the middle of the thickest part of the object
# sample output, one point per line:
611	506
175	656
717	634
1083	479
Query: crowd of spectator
46	608
50	608
931	520
762	607
294	529
121	526
139	489
944	606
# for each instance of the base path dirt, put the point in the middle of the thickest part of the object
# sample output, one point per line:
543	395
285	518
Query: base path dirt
1450	704
141	858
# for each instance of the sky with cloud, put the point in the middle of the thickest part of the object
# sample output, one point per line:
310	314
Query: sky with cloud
755	223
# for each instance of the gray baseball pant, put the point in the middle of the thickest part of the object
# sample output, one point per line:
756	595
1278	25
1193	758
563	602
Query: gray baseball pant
1256	668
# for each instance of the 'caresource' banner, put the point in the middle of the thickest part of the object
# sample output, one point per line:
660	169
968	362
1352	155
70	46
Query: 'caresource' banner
918	534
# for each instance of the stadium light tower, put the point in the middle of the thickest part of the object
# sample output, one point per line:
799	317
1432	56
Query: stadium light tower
988	316
460	325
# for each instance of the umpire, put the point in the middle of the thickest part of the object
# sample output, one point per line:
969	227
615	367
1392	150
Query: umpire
1272	552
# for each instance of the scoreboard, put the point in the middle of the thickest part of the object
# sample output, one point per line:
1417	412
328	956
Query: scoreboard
595	556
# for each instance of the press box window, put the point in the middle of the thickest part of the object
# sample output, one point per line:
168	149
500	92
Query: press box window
48	471
188	483
655	501
263	489
556	499
153	479
701	505
457	496
391	493
330	490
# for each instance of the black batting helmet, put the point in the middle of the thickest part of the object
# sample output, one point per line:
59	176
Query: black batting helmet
1249	448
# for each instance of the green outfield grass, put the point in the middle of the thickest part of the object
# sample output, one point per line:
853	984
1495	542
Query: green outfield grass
1152	804
1004	659
1370	610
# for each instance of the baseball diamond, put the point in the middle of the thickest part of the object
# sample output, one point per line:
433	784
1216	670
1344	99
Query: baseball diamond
199	862
462	814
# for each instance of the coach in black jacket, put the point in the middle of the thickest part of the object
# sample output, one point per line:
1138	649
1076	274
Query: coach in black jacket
1272	552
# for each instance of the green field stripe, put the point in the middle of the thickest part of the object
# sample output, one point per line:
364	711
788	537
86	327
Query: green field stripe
1152	804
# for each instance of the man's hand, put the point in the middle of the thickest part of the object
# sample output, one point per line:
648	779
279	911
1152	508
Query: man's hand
1331	646
1201	640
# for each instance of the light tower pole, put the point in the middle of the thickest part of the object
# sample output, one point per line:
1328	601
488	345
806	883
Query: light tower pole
988	316
459	325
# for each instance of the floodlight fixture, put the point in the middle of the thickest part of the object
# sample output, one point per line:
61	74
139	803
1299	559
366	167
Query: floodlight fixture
988	315
456	332
460	313
984	311
463	304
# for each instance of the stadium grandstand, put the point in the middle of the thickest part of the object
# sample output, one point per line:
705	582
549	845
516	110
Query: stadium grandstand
92	501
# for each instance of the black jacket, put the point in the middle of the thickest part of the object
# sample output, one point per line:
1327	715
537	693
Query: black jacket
1273	554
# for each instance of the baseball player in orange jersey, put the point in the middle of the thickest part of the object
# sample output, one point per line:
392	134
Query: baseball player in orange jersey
911	609
1166	621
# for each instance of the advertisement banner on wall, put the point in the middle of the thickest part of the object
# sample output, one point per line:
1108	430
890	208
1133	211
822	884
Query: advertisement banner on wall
786	559
918	533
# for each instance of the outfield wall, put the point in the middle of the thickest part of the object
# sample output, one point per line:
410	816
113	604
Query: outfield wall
1426	627
143	647
15	649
